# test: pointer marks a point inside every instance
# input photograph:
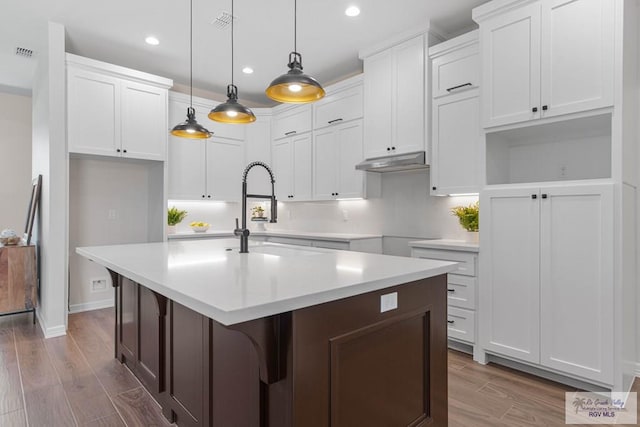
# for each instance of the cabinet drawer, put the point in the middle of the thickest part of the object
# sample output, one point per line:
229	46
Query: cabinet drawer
291	122
338	108
461	291
461	324
456	71
467	266
326	244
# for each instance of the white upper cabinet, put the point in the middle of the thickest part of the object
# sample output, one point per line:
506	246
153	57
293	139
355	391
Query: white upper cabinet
455	138
510	45
292	166
144	121
455	162
208	169
336	150
258	148
394	94
455	65
115	111
577	55
292	121
339	107
545	58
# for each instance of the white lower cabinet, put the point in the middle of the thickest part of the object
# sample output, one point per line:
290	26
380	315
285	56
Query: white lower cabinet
336	151
546	293
461	289
371	244
292	167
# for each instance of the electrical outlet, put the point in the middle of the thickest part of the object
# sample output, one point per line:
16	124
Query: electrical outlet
98	285
388	302
345	215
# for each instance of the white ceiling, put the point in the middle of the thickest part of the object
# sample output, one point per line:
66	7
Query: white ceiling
114	31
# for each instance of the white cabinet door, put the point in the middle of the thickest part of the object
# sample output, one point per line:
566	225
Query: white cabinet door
408	114
577	55
293	121
224	169
325	158
144	121
340	107
283	169
510	47
258	148
187	166
455	71
509	261
576	280
350	181
455	144
378	98
93	113
301	147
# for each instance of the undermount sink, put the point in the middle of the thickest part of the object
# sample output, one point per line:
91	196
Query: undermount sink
282	251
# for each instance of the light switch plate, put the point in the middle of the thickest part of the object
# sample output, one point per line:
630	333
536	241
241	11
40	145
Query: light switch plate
388	302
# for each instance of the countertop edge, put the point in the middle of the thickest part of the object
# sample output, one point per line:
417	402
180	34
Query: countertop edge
444	244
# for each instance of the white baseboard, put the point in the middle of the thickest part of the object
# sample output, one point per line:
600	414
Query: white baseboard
50	331
89	306
637	369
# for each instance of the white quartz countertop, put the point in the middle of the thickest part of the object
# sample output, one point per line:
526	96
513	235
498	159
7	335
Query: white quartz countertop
230	287
448	244
340	237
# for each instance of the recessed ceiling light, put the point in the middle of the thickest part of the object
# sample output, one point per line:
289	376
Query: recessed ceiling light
247	70
352	11
152	41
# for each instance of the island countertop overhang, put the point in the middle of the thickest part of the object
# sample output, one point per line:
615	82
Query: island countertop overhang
213	279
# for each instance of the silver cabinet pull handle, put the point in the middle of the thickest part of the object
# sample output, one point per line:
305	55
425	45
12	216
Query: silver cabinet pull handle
458	87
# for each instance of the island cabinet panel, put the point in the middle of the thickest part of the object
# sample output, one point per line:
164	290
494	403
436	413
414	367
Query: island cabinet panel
353	365
140	333
212	373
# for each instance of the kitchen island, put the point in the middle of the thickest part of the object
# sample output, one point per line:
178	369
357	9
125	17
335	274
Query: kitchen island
282	336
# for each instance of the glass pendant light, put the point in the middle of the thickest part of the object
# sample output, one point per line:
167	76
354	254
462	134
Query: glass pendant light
295	87
232	111
191	128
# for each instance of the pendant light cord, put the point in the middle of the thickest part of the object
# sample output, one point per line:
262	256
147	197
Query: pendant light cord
233	18
295	25
191	53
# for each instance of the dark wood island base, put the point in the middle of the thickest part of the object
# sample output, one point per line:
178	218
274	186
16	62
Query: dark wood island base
338	364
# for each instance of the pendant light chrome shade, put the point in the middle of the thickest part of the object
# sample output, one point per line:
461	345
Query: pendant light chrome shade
295	87
191	128
231	111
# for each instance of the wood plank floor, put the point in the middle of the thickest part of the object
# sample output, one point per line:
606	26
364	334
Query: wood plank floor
75	381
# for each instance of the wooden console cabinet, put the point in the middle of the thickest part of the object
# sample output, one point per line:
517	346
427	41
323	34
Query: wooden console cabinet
18	279
338	364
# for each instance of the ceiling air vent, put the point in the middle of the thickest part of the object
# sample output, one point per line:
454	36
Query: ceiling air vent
223	20
21	51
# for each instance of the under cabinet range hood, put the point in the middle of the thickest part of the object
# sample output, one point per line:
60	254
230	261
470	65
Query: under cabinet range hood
396	162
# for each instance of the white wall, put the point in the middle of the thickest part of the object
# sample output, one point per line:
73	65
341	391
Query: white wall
404	210
15	152
49	158
109	203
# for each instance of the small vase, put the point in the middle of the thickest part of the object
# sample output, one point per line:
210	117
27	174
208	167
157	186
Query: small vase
171	229
473	237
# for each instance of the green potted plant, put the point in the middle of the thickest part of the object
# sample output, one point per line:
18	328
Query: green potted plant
174	217
468	217
257	212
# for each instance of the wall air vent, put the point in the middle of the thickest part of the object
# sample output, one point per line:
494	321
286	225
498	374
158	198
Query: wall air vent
223	20
21	51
